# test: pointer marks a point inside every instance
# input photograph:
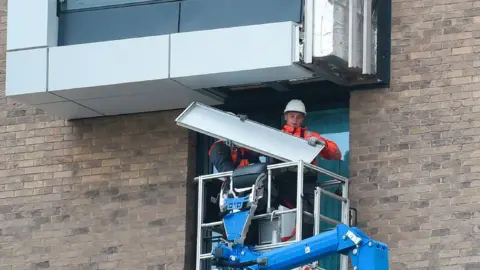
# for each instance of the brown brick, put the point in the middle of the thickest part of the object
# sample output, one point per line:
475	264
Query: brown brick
73	194
442	183
413	162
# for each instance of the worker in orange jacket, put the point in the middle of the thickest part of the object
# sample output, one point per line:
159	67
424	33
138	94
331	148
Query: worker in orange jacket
294	116
285	183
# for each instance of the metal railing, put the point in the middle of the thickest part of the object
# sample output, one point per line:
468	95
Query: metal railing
318	217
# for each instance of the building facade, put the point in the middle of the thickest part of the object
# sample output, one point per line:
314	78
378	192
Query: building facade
95	174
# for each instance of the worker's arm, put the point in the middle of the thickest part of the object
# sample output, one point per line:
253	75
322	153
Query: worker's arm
331	150
221	157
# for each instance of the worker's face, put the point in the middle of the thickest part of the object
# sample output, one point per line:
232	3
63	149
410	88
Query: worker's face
294	119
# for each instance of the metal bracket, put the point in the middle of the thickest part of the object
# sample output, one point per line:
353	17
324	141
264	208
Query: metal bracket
353	217
355	239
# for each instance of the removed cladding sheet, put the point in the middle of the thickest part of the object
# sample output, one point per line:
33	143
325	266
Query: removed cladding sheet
249	134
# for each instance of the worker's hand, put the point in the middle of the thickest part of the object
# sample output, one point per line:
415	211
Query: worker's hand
242	117
314	141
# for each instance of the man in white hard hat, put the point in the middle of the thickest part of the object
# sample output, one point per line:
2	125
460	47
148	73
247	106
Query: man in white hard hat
285	183
295	113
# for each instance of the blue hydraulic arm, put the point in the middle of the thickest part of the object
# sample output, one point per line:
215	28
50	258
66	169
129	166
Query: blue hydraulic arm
239	201
365	253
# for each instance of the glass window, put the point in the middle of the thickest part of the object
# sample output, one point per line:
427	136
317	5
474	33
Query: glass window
333	125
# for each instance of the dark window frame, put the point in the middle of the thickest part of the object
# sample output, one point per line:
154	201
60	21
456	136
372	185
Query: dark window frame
63	6
383	10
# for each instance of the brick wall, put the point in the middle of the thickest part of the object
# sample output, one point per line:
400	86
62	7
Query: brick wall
110	193
415	147
99	194
105	193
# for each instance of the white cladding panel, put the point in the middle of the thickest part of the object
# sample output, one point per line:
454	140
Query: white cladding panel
237	55
26	72
252	135
32	24
108	63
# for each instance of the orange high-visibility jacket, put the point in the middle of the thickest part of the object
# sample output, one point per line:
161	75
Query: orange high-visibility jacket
330	151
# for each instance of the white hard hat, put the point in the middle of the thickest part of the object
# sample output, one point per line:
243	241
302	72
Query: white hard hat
295	105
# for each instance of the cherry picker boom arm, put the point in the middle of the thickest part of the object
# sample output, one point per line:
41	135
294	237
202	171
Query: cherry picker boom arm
365	253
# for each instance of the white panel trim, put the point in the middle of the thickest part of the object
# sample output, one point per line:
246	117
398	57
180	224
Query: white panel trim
232	49
108	63
31	24
26	71
236	55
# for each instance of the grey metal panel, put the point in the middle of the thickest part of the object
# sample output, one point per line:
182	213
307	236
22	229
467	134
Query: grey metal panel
210	14
249	134
118	23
